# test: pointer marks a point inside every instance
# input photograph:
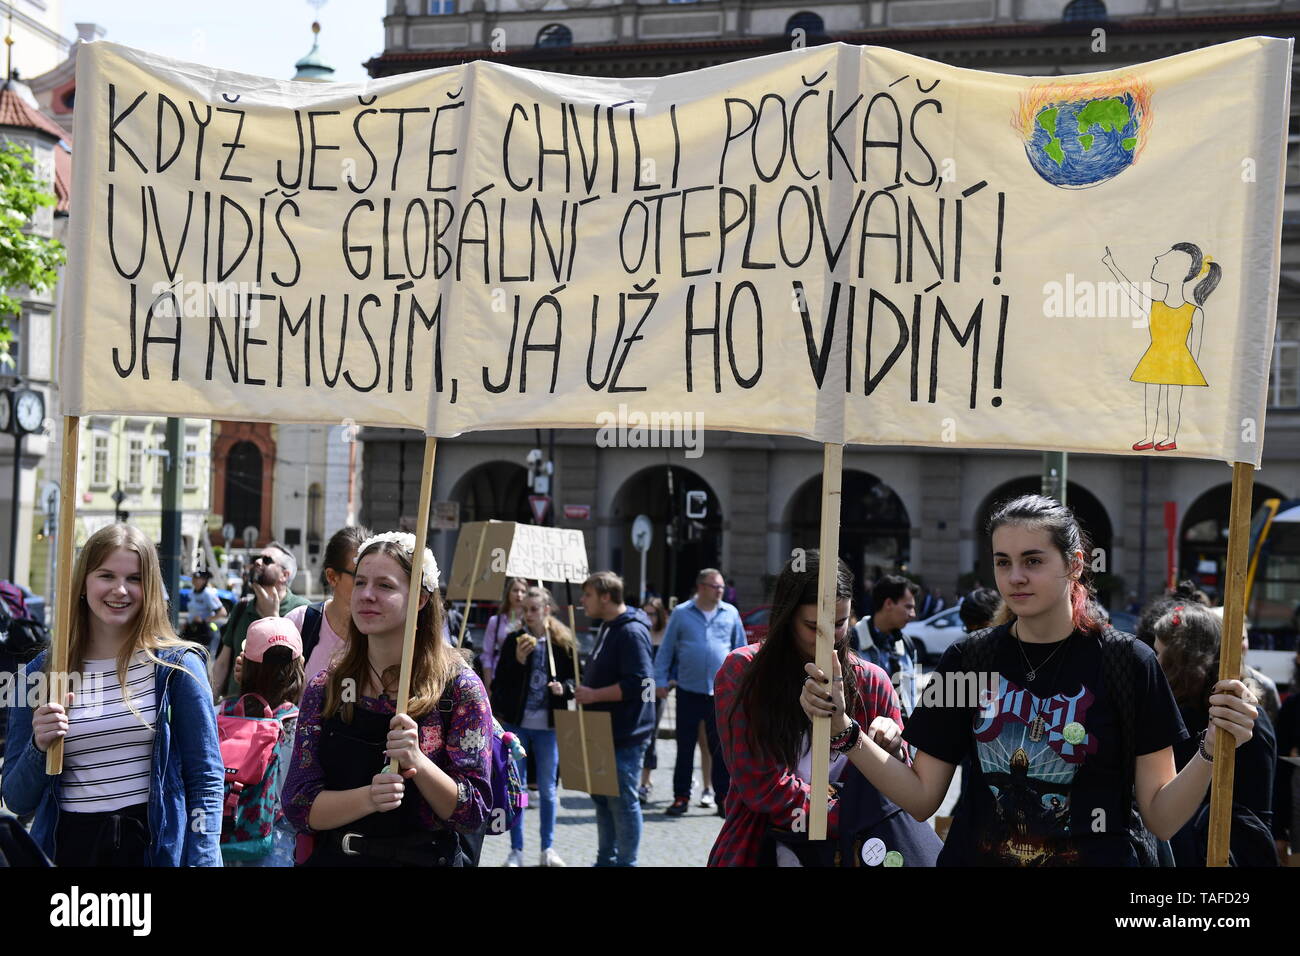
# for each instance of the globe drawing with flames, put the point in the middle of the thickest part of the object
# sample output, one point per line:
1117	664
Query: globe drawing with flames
1084	134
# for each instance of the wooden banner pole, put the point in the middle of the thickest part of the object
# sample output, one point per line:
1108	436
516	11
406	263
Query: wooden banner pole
828	570
417	573
469	591
64	601
1234	614
577	679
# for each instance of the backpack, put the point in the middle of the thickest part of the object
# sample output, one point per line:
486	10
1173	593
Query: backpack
873	831
311	622
1117	670
1250	842
508	794
250	752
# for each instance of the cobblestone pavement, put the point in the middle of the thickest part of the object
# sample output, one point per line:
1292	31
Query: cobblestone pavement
665	840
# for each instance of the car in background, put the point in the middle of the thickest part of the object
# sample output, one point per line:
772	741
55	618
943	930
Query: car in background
755	623
935	634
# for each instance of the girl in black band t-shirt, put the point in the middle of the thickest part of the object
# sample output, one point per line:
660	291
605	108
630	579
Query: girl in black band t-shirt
1070	716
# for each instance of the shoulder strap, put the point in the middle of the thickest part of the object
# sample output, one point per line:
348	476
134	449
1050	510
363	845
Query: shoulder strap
311	623
1117	669
980	653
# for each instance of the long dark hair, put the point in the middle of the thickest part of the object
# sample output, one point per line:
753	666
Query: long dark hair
769	689
1213	274
1048	514
278	677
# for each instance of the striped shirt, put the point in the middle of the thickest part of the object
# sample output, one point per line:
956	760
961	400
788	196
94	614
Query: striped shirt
108	751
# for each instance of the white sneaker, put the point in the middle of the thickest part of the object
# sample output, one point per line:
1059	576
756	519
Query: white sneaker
516	858
706	798
550	858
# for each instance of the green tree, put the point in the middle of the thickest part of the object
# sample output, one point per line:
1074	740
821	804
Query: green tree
27	259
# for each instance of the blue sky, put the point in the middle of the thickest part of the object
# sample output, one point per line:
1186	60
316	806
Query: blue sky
265	37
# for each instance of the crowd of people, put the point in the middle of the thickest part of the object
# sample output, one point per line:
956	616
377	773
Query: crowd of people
1087	746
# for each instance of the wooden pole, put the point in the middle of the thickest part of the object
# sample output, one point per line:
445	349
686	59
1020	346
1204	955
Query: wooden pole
469	591
828	570
64	601
577	680
1234	613
417	573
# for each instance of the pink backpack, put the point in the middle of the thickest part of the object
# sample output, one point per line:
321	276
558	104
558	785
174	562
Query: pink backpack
249	752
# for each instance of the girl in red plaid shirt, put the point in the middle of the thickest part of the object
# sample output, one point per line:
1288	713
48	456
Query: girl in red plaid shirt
763	731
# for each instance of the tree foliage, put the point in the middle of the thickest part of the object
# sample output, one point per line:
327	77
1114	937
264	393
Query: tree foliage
27	260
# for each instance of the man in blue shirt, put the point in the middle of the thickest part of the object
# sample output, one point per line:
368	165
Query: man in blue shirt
701	633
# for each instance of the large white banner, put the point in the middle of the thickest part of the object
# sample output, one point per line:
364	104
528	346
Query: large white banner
844	243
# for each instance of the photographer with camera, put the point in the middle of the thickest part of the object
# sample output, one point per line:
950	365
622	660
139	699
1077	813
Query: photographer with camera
269	576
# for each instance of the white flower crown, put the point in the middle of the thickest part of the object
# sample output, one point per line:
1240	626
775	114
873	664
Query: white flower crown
406	541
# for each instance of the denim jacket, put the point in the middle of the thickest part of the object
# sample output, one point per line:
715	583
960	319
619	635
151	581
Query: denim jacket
187	781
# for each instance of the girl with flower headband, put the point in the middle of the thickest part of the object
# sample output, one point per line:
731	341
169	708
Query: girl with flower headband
339	789
1169	363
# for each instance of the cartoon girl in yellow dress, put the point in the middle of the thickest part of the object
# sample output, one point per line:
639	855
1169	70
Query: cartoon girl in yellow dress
1169	363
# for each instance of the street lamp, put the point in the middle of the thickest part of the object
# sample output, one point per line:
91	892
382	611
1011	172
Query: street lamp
119	496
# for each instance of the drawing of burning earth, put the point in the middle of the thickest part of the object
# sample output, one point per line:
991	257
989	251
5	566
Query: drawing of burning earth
1082	134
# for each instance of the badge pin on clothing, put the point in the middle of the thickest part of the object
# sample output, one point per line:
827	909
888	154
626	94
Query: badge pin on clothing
1074	732
873	852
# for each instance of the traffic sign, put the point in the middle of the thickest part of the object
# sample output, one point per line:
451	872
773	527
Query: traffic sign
540	504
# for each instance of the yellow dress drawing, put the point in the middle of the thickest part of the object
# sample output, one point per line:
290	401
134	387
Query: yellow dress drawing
1168	360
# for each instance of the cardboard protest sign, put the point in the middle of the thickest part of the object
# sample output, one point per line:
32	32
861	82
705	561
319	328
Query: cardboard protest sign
848	244
599	765
513	550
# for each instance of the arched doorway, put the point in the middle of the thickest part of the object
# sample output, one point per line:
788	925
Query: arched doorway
875	530
686	517
494	490
243	491
1203	536
1091	515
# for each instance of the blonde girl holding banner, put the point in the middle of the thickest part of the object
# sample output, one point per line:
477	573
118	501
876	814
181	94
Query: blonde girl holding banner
142	780
339	789
1081	717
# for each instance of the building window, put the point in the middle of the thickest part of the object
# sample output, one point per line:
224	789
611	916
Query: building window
1284	374
135	461
99	459
160	462
440	7
191	464
811	25
315	518
554	35
1084	11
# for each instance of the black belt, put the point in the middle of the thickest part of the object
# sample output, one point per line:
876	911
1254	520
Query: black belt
423	849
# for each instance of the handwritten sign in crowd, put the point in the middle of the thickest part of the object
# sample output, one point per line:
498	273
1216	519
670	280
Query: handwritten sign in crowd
844	243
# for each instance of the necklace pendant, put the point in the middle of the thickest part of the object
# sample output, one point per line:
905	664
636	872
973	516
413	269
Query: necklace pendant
1036	728
1031	675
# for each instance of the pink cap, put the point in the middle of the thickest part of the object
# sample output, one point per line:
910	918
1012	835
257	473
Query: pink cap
268	632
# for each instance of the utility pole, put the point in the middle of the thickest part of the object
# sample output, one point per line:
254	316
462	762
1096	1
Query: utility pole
170	552
1054	474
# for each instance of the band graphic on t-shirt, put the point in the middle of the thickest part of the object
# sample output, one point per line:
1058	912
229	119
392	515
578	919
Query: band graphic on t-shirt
1029	750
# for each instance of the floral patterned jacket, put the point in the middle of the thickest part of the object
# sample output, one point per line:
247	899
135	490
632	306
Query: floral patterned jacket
465	754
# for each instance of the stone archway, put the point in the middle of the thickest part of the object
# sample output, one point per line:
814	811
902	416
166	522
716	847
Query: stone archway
686	515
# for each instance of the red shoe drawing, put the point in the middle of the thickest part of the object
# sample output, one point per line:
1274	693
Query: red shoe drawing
1143	446
1167	446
